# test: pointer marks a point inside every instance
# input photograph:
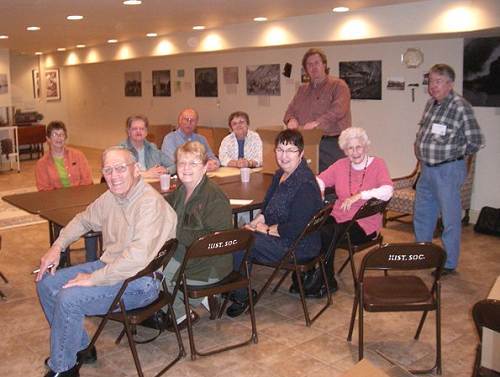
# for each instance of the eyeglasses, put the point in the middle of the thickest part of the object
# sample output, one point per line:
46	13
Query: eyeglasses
120	168
58	134
192	164
286	151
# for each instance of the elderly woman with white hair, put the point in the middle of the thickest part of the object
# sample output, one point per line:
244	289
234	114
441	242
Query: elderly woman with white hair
357	178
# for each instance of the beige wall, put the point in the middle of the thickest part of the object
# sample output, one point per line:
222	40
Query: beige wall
94	106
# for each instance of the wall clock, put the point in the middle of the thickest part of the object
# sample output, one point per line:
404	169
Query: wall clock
412	58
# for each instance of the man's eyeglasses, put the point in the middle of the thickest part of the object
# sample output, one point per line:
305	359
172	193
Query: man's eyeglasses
192	164
286	151
120	168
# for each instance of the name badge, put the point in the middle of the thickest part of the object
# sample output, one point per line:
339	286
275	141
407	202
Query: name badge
438	129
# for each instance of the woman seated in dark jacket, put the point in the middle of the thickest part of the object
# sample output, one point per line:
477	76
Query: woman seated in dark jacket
202	208
291	201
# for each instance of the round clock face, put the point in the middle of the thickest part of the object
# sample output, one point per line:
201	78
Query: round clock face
412	58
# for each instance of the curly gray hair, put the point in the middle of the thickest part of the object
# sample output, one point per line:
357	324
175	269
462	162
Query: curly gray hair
353	133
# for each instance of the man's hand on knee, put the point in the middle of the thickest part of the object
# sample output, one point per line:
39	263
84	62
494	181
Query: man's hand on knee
81	280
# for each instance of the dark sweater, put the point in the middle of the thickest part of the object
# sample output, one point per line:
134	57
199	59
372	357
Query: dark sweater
291	205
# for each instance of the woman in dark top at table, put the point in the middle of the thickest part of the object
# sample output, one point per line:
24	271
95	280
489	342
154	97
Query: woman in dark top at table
291	201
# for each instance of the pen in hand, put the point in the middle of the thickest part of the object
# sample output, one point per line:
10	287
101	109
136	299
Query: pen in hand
38	269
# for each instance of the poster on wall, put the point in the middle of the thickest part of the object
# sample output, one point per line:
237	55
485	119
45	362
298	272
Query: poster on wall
263	80
364	78
4	84
133	84
35	77
52	85
230	75
205	82
481	85
161	83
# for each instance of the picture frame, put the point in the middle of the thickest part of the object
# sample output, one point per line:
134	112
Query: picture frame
161	83
35	76
133	84
52	85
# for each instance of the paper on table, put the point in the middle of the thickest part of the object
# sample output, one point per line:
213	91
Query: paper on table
240	202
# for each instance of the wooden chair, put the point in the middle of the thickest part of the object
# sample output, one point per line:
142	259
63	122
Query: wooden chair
398	292
216	244
290	264
156	133
403	198
486	313
370	208
131	318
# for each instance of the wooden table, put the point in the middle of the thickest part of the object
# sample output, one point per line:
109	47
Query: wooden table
32	138
60	206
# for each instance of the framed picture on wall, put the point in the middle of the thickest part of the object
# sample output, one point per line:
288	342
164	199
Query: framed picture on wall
161	83
52	85
364	78
35	76
205	82
133	84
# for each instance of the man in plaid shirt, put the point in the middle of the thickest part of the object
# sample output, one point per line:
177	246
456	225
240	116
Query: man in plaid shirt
448	133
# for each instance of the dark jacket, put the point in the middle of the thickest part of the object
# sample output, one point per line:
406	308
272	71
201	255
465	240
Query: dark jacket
291	205
207	210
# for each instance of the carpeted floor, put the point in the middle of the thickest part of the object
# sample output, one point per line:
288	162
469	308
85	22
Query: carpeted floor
13	217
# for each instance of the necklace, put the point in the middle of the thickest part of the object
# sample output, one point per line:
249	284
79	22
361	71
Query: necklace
362	177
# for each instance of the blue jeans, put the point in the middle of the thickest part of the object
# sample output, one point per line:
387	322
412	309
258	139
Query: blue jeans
66	308
438	192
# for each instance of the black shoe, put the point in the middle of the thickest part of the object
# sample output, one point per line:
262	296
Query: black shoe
445	271
83	357
73	372
315	292
238	307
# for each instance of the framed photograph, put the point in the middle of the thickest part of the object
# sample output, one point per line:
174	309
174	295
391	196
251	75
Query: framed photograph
161	84
205	82
263	80
481	85
364	78
52	85
35	77
133	84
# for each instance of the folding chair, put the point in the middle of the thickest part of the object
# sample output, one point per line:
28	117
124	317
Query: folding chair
2	275
131	318
370	208
398	292
217	243
486	313
289	264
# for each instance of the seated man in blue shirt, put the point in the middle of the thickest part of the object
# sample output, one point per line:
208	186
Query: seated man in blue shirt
152	162
187	122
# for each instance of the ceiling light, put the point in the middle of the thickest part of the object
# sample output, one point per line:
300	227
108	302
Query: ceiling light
112	40
4	36
61	49
132	2
33	28
38	53
199	27
151	35
340	9
260	19
81	46
74	17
